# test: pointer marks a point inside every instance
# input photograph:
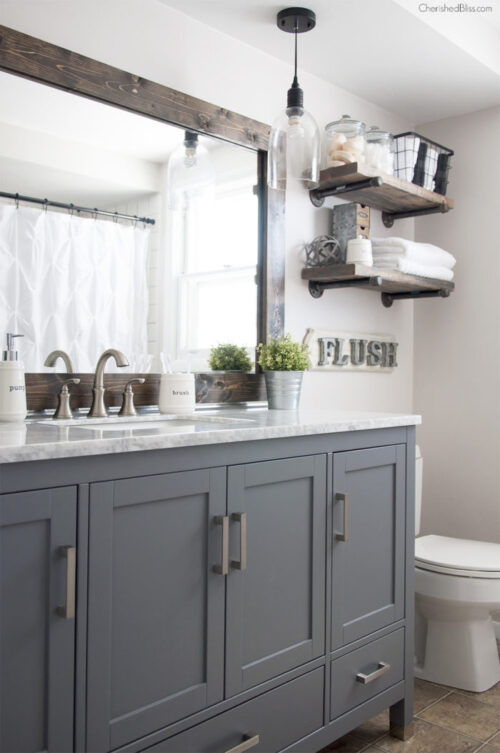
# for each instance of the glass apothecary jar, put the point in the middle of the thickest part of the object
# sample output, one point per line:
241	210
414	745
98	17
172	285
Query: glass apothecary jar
379	150
345	141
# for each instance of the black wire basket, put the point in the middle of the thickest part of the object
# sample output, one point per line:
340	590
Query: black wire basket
419	160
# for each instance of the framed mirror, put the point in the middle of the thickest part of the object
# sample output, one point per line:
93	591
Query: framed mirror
131	216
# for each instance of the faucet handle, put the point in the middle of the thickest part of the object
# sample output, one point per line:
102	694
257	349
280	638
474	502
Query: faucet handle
128	407
63	407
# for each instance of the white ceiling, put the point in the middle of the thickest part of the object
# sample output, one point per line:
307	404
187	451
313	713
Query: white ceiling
32	106
67	148
422	66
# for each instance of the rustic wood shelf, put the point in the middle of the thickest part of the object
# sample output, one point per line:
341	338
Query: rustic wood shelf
396	198
391	284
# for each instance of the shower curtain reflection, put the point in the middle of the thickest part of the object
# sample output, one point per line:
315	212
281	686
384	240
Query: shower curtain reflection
73	283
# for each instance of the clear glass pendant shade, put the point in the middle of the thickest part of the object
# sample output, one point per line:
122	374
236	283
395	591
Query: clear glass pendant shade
190	175
294	150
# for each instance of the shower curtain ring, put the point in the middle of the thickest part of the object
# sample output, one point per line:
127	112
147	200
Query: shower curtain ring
71	209
95	213
45	204
17	201
115	218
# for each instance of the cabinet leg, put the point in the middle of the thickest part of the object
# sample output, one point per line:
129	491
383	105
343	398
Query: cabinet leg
401	716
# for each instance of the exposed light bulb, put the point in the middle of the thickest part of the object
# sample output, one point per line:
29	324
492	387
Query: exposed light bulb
295	130
190	156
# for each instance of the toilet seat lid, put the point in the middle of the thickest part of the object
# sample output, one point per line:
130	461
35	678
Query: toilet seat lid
458	556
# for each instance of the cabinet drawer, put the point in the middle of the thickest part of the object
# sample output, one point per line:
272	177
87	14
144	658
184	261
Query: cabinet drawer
278	717
358	676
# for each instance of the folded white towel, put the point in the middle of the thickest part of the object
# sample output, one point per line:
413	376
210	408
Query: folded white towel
423	253
410	267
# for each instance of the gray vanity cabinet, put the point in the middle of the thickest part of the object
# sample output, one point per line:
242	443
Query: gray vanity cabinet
156	605
37	625
228	598
276	598
368	572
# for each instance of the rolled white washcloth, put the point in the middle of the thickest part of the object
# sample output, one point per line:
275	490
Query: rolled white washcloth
423	253
410	267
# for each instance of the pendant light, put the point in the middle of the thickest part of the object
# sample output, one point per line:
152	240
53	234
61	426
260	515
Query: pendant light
190	173
294	142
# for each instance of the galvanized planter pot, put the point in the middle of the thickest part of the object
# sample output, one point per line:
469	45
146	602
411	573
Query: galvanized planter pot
283	389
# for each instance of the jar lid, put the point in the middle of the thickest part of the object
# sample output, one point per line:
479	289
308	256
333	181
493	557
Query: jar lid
377	131
348	121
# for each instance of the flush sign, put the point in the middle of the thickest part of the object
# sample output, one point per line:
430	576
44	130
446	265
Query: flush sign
347	351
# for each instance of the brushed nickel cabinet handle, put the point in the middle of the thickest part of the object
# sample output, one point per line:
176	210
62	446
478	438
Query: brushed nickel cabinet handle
68	610
341	497
223	568
381	670
241	518
249	741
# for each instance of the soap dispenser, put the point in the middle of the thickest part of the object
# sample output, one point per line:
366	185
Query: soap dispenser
12	384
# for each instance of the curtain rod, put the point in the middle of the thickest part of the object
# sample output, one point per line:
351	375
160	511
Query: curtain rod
75	208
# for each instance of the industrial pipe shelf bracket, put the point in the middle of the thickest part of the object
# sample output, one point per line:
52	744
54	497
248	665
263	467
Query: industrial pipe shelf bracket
389	217
388	298
318	195
317	289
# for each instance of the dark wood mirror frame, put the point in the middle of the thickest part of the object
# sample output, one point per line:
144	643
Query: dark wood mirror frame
41	61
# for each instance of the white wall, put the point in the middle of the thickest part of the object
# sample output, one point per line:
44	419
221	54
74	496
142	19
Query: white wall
457	342
161	44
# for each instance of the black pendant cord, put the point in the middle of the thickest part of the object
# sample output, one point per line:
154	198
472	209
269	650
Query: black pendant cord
295	72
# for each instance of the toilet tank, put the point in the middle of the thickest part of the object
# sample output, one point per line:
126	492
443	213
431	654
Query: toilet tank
419	467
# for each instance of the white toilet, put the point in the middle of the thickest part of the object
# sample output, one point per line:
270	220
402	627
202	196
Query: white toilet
457	587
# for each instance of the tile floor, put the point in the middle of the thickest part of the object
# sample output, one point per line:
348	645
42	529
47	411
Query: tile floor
446	721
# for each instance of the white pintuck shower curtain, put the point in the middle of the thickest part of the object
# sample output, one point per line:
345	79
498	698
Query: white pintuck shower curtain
73	283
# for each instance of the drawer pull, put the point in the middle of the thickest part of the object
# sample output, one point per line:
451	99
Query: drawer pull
241	517
68	610
223	568
249	741
340	497
381	670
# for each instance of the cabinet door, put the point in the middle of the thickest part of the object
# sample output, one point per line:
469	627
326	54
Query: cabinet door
368	566
37	626
276	605
156	606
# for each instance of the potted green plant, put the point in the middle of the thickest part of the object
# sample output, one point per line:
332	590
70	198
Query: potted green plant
229	357
283	362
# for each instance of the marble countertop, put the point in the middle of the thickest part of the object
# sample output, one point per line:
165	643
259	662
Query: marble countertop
43	438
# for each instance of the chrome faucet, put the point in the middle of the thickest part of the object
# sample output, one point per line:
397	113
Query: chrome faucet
52	358
98	409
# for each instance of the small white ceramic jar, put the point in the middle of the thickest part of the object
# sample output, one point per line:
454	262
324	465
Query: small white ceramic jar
177	393
359	250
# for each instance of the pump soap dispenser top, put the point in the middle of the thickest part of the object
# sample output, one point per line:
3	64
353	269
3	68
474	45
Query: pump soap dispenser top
12	384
